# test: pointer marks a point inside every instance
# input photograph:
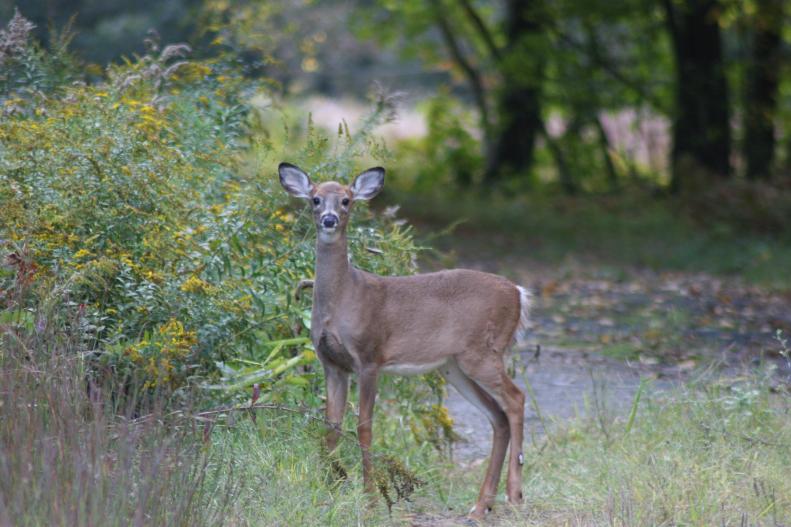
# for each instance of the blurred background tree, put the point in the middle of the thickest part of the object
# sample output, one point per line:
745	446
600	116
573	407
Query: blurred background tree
584	96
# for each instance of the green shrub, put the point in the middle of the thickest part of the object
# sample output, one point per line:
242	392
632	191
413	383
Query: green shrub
151	197
449	156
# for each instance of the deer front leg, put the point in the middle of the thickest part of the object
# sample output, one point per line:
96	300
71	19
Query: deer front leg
367	380
337	382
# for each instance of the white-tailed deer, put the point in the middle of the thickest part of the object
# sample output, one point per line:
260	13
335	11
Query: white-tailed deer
460	322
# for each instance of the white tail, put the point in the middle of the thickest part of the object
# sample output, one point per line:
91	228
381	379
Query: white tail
525	302
460	322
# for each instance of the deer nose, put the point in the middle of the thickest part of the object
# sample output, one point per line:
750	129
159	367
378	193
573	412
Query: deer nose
329	221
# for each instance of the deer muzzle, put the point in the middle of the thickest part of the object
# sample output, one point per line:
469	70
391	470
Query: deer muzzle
329	221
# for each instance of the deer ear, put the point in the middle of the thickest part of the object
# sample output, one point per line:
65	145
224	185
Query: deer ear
294	180
369	183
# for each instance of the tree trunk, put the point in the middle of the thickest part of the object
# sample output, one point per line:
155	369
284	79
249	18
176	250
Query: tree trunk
701	126
606	148
761	89
518	105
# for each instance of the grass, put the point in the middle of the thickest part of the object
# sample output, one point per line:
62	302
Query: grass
70	456
703	454
76	451
621	351
611	232
280	477
709	453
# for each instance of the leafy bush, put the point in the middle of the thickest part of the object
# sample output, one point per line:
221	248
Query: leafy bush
449	154
148	251
149	198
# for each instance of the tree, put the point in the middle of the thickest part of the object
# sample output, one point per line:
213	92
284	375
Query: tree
495	52
519	97
761	86
701	121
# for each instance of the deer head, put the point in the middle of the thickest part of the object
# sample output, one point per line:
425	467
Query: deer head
332	202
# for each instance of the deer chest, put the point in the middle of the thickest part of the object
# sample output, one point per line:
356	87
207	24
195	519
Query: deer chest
331	349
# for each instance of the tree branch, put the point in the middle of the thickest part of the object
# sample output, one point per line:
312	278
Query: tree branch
607	67
483	31
473	77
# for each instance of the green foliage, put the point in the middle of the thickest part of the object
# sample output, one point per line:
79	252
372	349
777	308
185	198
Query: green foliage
105	31
448	156
147	196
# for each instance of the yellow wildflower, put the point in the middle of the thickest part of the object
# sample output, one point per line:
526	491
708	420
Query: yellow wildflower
193	284
153	276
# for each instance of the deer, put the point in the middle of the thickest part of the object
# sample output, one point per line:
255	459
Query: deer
460	322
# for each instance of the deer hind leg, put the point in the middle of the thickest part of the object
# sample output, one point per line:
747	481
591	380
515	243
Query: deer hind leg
515	410
479	398
491	376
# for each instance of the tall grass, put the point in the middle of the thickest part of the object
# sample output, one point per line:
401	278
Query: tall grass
72	454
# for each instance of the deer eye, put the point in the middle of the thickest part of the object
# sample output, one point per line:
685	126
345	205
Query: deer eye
316	201
345	201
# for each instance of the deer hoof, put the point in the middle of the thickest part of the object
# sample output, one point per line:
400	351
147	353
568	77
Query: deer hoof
478	513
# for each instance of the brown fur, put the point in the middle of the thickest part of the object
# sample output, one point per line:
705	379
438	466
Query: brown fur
459	321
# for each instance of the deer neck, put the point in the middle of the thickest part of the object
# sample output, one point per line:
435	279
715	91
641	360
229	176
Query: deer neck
333	272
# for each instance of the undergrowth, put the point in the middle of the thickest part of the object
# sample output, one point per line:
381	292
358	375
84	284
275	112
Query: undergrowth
151	199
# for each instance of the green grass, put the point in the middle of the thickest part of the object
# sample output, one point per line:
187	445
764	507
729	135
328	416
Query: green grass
611	232
704	454
715	454
280	478
710	453
621	351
